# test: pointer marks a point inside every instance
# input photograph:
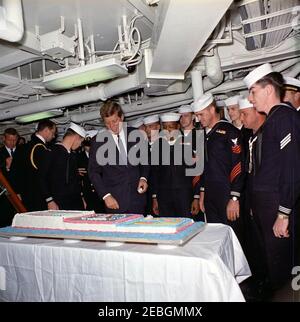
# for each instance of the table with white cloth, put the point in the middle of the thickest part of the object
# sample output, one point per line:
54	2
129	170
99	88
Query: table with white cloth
207	268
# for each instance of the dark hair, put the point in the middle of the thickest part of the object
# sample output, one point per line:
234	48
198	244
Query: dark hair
70	132
21	138
276	80
11	131
86	142
45	124
217	108
110	108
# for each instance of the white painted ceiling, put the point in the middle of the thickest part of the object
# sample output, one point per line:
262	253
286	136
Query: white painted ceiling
177	42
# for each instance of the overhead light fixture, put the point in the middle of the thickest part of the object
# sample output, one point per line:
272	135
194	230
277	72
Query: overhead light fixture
39	116
87	74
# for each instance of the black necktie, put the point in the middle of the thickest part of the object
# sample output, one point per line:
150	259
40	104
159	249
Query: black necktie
122	152
11	152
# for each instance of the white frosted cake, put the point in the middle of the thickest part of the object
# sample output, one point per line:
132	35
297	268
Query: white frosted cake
99	222
71	220
162	225
89	221
46	219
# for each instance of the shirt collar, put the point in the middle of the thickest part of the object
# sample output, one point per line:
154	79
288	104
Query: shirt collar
40	137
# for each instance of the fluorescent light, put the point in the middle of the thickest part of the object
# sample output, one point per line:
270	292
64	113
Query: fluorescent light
91	73
38	116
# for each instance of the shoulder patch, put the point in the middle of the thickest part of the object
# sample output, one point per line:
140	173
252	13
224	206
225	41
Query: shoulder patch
221	131
234	141
32	153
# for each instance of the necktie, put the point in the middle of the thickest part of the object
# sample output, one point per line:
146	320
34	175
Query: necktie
11	152
122	152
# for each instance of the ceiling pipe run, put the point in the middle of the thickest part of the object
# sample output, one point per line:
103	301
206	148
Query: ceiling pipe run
213	68
118	86
101	92
11	24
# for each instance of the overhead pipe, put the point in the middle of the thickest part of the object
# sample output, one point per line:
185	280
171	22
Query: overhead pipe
73	98
12	26
122	85
239	84
101	92
213	68
294	71
197	83
153	104
80	43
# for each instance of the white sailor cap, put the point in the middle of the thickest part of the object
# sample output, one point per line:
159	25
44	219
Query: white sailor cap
170	117
244	103
202	102
91	133
78	129
257	74
185	109
291	83
233	100
136	123
151	119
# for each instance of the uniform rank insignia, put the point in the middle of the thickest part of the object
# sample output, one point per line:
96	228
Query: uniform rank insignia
236	148
234	141
221	131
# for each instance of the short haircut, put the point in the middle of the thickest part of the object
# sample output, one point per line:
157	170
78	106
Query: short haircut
110	108
45	124
276	80
70	132
217	108
11	131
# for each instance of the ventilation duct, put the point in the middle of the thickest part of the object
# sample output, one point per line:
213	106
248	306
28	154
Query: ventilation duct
180	31
268	23
11	20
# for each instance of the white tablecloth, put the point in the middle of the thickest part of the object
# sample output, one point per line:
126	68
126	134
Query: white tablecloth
208	268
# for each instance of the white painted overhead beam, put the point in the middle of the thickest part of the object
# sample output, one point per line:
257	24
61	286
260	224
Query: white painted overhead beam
180	31
8	80
145	10
15	59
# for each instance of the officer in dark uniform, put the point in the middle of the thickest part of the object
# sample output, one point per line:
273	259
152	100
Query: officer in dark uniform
60	182
27	165
172	184
7	152
276	172
222	180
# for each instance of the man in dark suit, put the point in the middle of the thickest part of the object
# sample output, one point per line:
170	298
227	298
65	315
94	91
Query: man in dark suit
7	152
118	181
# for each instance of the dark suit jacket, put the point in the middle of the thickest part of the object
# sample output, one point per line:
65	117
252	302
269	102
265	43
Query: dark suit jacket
3	156
7	211
121	181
